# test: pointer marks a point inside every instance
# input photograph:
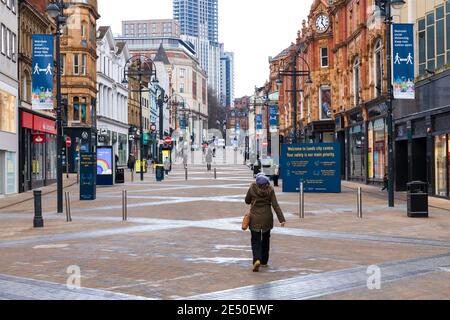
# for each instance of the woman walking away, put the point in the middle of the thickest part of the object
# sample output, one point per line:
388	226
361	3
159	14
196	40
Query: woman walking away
261	196
209	159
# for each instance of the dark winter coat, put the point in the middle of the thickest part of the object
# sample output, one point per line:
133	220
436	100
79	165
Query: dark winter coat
262	199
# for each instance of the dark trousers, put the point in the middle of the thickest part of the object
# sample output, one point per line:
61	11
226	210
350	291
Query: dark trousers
275	180
261	246
209	167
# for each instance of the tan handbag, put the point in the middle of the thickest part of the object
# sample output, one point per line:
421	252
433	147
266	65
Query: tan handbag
246	220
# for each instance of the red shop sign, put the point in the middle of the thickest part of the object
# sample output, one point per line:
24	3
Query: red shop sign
44	125
39	138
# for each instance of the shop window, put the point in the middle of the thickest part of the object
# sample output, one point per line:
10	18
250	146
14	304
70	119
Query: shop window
7	112
379	149
76	109
441	167
370	144
357	152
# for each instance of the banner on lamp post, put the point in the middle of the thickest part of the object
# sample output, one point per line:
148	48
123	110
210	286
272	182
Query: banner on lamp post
403	61
259	123
273	119
42	78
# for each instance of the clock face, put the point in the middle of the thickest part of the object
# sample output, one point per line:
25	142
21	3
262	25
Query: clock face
322	23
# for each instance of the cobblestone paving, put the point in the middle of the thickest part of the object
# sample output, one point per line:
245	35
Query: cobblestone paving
182	240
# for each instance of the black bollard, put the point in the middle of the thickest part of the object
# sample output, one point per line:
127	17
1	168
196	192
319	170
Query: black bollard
38	221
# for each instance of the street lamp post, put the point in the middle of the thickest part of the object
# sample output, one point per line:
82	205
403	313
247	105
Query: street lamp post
56	11
385	6
140	66
294	74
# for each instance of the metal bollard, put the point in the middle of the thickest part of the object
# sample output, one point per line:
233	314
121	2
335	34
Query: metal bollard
186	173
302	200
215	173
38	221
68	207
124	205
359	203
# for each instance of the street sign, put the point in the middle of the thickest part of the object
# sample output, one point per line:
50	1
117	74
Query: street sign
68	142
168	140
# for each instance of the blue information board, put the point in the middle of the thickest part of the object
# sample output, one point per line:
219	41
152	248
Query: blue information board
88	176
316	165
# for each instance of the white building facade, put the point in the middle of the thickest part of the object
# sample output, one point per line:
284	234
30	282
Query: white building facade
112	96
8	97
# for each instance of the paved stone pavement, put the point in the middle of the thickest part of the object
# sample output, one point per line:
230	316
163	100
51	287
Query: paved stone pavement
183	241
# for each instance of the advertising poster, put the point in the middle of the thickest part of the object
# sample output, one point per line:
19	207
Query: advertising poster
104	161
42	78
325	104
403	61
316	165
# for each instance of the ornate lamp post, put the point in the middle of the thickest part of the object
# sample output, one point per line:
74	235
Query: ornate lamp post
140	66
294	74
56	11
385	7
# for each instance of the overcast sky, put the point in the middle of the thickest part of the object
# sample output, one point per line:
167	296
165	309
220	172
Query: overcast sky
252	29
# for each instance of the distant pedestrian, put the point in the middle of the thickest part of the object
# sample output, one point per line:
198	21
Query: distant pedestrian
261	196
257	167
209	159
385	183
131	162
275	174
167	166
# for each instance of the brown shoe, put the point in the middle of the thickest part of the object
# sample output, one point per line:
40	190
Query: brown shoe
256	266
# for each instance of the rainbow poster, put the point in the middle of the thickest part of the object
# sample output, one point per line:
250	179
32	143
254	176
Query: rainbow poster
104	161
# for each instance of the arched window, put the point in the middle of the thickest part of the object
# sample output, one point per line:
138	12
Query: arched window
357	80
378	68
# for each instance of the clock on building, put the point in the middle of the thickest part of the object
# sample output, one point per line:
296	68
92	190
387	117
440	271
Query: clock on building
322	23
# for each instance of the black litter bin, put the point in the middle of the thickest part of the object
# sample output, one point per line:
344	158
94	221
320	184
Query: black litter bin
159	173
120	175
418	199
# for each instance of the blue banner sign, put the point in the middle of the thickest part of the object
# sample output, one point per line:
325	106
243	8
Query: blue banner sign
316	165
183	123
259	122
273	119
403	61
88	176
42	78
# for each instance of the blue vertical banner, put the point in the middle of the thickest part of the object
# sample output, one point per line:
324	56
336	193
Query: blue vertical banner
183	123
403	61
42	68
273	119
259	122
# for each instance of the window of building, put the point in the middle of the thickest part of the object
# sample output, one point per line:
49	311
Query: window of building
448	30
7	112
431	61
3	39
83	30
440	37
182	73
324	57
325	103
84	64
63	64
8	43
76	109
181	87
76	64
422	46
378	68
357	81
83	110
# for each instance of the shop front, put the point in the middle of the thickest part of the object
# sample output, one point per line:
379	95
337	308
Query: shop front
322	131
118	140
37	151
